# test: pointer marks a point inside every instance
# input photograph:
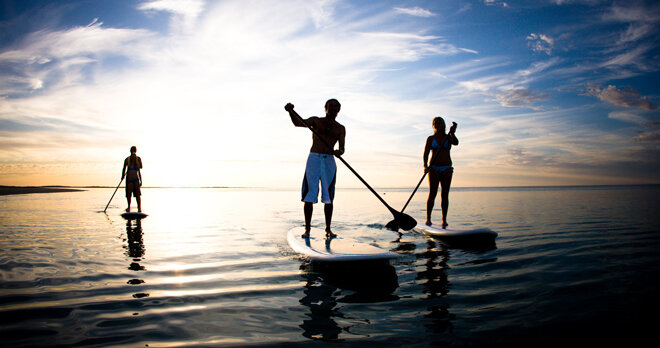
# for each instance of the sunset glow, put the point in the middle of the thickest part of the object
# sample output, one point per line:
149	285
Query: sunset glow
544	93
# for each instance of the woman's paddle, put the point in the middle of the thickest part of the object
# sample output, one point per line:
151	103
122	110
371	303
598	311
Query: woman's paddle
406	222
113	194
394	225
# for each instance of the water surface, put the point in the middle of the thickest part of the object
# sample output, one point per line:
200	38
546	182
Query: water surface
211	267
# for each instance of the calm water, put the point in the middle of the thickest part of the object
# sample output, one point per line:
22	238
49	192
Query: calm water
212	267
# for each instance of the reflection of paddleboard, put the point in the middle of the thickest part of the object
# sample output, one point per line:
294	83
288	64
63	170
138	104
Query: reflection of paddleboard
133	215
481	234
341	248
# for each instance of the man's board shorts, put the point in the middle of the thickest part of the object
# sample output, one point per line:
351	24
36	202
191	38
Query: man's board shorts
133	188
320	167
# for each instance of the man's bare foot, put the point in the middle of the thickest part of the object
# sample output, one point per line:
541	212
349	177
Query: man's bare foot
329	234
128	210
306	234
444	224
428	223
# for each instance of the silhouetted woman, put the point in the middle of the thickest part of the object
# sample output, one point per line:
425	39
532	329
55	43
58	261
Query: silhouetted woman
131	170
440	169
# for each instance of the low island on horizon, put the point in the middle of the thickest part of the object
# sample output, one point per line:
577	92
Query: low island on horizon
17	190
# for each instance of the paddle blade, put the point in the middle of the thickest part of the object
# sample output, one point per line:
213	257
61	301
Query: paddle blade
405	221
392	226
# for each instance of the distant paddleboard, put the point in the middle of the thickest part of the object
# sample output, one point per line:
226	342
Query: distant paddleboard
477	234
341	248
133	215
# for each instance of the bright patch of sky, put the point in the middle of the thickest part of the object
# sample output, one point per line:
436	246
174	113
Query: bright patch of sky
544	92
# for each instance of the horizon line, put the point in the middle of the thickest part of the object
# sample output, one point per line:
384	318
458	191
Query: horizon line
350	188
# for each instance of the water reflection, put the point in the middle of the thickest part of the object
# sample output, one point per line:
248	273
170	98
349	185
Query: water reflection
476	244
368	282
436	286
135	250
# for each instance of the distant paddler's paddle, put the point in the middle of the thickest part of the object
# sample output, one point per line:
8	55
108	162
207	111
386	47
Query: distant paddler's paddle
404	221
113	194
393	225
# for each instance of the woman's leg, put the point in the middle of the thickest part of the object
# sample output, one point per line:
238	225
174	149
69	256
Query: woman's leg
445	182
434	181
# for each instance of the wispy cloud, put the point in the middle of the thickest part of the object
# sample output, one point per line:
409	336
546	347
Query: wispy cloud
496	3
185	12
519	97
541	43
415	11
47	59
627	96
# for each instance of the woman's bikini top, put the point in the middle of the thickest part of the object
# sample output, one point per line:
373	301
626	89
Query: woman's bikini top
446	144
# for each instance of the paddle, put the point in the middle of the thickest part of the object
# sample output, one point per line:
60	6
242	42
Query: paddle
405	221
393	225
113	194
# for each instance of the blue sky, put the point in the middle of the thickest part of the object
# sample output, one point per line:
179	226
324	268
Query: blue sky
545	92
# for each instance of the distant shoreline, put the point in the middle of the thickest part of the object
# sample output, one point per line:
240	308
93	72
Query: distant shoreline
20	190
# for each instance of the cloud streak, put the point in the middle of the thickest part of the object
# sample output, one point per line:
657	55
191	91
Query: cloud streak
541	43
415	11
627	97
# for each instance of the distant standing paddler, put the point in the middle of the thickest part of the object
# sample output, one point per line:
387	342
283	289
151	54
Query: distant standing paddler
131	170
321	164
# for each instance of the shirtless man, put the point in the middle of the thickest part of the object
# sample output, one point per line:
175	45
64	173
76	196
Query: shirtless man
321	164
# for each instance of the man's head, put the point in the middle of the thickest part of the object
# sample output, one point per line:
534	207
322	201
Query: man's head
332	107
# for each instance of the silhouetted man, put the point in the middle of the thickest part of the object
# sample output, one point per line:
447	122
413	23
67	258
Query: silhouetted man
321	164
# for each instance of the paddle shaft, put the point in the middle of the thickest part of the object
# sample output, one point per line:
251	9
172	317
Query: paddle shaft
344	161
113	194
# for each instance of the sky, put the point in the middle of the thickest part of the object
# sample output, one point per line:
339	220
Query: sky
544	92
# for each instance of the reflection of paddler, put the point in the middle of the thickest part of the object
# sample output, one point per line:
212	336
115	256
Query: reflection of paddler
131	170
134	242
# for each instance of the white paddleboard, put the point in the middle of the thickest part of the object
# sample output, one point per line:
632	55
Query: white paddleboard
341	248
456	233
133	215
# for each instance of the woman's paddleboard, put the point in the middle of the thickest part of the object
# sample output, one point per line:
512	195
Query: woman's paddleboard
341	248
133	215
477	234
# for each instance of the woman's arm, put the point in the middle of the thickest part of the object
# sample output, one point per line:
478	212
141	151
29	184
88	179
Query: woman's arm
427	149
452	134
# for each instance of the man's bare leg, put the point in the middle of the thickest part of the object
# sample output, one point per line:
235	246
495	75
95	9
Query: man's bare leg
308	209
327	209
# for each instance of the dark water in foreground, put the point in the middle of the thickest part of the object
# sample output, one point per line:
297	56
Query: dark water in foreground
211	267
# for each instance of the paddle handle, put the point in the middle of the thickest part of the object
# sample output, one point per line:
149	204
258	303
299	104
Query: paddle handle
341	159
113	194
